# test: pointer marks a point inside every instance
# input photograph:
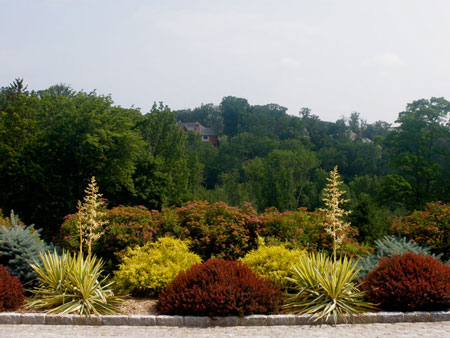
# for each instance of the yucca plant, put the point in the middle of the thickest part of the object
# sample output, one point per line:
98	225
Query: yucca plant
72	284
325	288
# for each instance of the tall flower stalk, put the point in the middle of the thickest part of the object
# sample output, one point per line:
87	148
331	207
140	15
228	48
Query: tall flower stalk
333	200
90	216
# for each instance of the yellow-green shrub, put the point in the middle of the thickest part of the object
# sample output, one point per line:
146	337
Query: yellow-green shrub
274	262
147	269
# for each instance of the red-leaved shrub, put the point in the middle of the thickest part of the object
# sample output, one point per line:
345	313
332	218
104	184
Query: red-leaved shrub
411	282
11	291
219	288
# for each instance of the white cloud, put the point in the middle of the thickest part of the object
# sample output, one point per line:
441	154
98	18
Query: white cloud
289	62
385	59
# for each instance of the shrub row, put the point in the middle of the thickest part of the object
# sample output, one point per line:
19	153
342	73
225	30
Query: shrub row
214	230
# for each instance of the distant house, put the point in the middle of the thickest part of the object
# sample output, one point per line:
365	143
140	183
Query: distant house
208	134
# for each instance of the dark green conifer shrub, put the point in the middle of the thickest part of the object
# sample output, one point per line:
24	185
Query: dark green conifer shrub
20	246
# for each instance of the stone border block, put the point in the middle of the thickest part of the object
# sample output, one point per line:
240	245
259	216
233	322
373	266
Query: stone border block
118	320
253	320
59	319
10	318
418	316
137	320
304	320
224	321
391	317
83	320
273	320
367	318
169	320
196	321
440	316
32	318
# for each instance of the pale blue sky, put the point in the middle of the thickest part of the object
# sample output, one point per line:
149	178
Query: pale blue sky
334	57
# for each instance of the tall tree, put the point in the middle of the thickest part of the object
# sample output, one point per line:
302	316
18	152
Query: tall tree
419	149
233	109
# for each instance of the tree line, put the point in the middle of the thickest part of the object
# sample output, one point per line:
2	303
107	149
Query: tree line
53	141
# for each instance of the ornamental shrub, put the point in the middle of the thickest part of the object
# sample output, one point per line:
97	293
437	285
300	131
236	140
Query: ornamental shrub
387	247
219	288
11	291
430	227
326	287
20	246
146	270
273	262
126	227
217	229
305	229
410	282
72	284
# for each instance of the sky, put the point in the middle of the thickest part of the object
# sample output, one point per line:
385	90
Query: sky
332	56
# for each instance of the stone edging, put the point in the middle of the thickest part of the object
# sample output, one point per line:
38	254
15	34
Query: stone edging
192	321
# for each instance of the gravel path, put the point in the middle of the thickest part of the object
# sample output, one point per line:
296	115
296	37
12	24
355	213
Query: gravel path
422	330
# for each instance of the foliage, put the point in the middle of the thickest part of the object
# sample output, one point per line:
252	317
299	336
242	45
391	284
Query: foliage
125	227
334	224
219	288
386	247
11	291
90	216
430	227
419	150
10	221
53	141
411	282
146	270
217	229
281	179
299	228
20	246
72	284
326	288
273	262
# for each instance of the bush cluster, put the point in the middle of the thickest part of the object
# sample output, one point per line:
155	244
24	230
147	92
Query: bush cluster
147	269
11	291
410	282
219	288
429	227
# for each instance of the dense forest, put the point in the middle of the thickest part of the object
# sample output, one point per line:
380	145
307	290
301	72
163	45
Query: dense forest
52	141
